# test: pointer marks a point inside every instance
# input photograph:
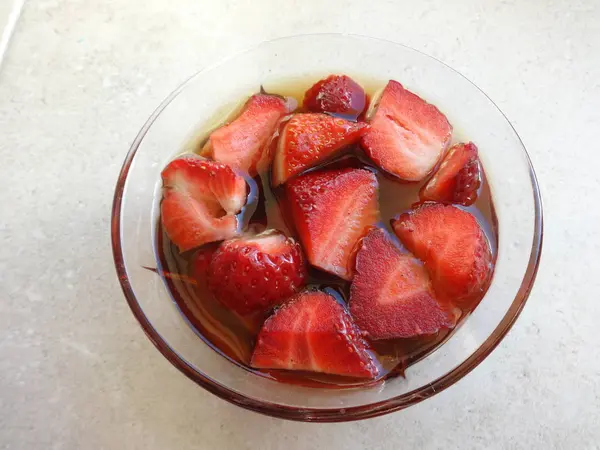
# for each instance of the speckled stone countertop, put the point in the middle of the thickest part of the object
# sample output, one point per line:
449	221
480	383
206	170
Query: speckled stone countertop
79	79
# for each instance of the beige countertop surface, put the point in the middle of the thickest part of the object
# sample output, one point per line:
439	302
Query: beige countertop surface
78	80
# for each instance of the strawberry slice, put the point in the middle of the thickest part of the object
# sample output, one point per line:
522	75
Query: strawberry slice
200	200
255	273
453	247
241	143
407	134
336	94
313	332
458	178
391	295
332	210
308	139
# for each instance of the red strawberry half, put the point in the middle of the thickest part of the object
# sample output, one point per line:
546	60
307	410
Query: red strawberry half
407	135
313	332
200	200
336	94
457	179
453	247
331	211
252	274
308	139
241	143
391	294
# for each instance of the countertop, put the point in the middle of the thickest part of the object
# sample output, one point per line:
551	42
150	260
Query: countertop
78	80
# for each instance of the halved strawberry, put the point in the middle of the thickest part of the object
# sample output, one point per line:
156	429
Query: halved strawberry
200	200
453	247
313	332
336	94
255	273
391	295
331	211
308	139
457	179
407	134
241	143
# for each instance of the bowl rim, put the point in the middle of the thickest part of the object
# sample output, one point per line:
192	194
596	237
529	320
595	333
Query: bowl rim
318	414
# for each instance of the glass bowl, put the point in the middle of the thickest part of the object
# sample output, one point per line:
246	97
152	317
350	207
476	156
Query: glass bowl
295	59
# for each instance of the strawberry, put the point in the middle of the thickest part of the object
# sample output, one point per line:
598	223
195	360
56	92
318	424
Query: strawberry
457	179
308	139
200	200
453	247
313	332
407	135
250	274
336	94
331	211
242	142
391	294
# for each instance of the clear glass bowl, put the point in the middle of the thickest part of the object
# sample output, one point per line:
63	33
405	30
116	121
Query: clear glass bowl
472	113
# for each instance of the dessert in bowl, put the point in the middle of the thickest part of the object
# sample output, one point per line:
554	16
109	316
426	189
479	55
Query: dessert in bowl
346	226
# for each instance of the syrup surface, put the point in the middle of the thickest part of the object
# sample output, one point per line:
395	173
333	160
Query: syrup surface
233	336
